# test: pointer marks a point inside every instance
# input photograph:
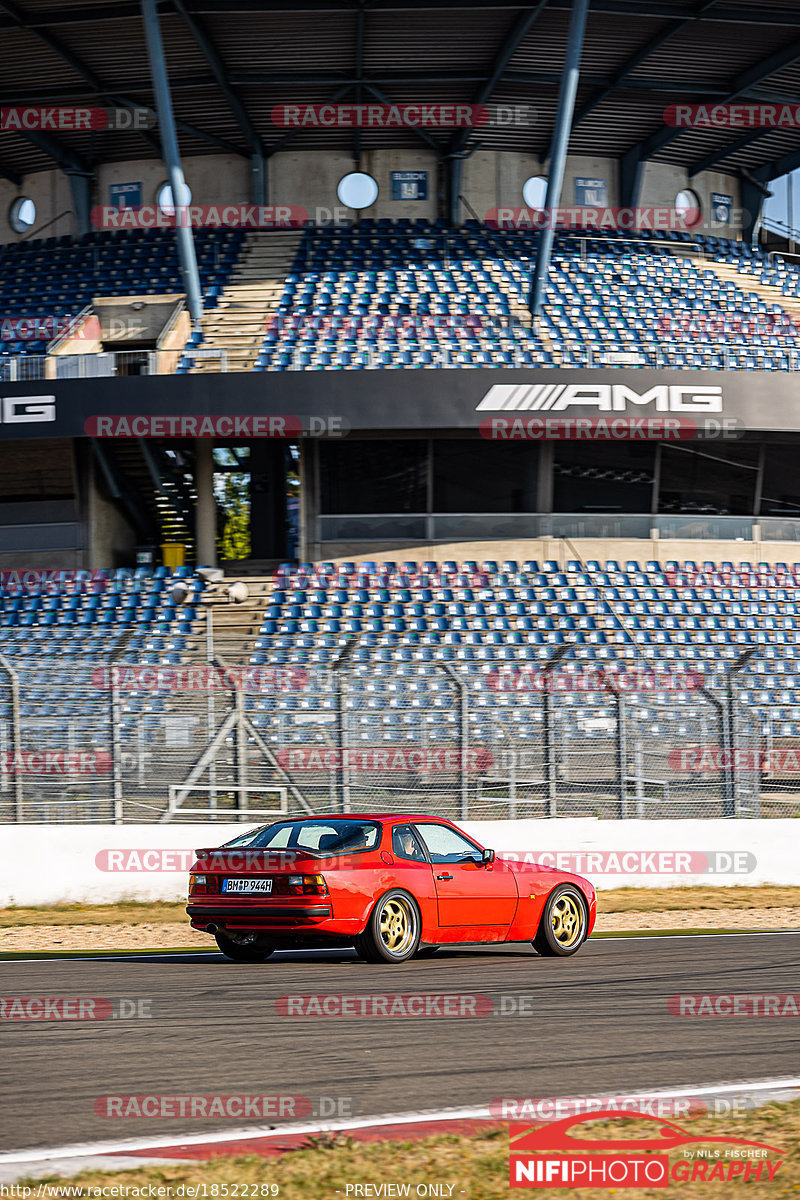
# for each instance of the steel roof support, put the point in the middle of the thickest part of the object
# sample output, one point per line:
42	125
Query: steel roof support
508	48
752	197
723	152
640	56
258	170
172	158
555	175
742	85
778	167
631	166
237	107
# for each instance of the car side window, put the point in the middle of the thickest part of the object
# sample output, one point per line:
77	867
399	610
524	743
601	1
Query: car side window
280	840
406	845
447	846
316	837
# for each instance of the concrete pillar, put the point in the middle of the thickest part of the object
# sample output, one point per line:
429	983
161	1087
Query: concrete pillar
205	507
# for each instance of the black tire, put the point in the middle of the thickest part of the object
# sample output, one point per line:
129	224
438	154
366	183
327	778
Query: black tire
392	931
562	929
256	951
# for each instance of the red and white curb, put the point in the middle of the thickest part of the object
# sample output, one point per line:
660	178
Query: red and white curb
269	1141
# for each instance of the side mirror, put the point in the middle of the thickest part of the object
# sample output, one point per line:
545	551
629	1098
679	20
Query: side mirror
488	856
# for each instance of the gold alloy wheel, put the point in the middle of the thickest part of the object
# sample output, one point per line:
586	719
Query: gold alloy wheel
567	919
397	925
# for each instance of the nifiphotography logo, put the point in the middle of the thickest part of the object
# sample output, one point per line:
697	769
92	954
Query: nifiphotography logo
550	1156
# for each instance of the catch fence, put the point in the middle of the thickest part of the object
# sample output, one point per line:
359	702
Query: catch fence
141	742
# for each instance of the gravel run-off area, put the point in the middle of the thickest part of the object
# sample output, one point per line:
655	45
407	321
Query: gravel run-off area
165	935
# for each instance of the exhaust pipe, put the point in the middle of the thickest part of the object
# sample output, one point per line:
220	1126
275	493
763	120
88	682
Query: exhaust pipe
212	928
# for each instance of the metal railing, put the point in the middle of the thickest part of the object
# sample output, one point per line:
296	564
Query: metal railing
22	367
448	527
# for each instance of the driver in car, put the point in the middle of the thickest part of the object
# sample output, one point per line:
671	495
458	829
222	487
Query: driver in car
408	844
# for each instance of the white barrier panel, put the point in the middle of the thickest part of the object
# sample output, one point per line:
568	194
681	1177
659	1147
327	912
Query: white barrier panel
101	864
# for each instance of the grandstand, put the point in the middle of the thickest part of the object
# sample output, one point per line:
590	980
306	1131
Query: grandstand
376	298
526	577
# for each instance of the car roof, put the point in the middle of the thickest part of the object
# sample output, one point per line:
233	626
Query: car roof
381	818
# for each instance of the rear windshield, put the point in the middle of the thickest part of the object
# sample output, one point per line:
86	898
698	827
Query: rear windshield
324	837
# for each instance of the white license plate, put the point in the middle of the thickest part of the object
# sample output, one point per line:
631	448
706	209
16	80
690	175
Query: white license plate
246	885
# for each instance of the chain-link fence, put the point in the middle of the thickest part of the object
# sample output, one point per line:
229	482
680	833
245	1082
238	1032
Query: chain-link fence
146	742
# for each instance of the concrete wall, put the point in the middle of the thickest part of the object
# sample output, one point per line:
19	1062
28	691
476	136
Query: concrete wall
101	864
110	539
490	179
213	179
494	180
661	183
50	192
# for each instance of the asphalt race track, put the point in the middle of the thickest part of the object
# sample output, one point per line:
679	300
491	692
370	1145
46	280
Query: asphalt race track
600	1024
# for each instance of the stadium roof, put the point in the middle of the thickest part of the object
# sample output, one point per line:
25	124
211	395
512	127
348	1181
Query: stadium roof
232	61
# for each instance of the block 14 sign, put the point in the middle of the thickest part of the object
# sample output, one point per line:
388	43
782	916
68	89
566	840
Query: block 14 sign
409	185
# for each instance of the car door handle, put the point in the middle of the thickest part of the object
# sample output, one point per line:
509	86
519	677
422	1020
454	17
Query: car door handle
444	876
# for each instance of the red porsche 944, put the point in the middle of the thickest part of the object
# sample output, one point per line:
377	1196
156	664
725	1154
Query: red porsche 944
393	886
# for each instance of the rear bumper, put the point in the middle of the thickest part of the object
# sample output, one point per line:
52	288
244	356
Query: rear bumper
284	916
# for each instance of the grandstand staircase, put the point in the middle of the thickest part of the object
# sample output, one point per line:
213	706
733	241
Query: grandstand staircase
729	273
251	296
235	626
161	512
520	313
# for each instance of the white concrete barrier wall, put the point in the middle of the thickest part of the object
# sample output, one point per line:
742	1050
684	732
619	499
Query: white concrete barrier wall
101	864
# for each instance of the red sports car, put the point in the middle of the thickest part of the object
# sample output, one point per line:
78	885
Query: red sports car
392	886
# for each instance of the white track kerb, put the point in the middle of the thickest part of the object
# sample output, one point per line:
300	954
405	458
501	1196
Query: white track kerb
103	864
119	1155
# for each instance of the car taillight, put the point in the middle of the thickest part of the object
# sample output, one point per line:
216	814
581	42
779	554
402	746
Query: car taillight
203	885
300	885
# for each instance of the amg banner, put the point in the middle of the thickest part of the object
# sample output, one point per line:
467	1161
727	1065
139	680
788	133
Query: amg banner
297	404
